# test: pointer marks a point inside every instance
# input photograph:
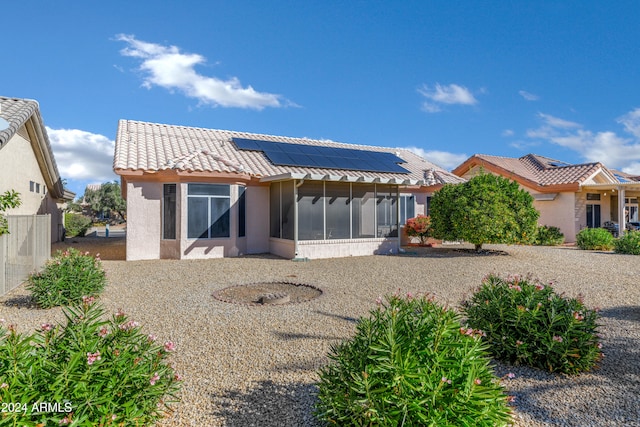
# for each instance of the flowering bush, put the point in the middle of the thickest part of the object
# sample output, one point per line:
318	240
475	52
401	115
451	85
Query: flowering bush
93	371
411	363
526	322
66	278
420	227
629	243
595	239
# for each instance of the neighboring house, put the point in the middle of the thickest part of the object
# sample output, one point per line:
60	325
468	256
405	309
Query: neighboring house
27	164
203	193
568	196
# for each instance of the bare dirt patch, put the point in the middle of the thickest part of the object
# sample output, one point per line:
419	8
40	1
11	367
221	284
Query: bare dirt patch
270	293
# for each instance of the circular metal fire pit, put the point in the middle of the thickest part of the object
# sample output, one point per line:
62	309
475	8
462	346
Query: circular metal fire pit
268	293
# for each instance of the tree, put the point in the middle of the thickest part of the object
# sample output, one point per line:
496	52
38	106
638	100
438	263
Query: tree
485	209
107	199
10	199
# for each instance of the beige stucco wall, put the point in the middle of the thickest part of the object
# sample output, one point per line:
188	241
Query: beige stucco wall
317	249
18	167
257	219
143	220
559	213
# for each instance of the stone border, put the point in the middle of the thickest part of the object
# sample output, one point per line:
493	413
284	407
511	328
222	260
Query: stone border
218	294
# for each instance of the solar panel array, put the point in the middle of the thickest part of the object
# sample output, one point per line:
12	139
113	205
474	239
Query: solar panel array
314	156
621	178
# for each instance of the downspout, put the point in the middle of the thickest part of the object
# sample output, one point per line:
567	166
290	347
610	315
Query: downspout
622	220
295	217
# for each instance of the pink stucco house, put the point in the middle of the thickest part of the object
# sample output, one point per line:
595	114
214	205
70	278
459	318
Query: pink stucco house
205	193
568	196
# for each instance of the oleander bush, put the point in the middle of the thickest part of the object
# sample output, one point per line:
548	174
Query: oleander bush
628	243
76	224
526	322
548	236
66	278
86	372
411	363
595	239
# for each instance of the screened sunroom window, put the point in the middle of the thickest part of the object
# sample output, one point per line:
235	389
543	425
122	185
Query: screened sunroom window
169	212
208	211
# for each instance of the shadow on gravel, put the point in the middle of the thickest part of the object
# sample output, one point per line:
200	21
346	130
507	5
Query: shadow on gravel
21	301
286	336
439	252
606	396
268	404
337	316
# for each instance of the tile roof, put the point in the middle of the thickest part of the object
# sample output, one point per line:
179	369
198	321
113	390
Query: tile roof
155	147
16	112
544	171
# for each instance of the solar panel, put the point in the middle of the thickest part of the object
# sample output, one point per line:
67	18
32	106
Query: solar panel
315	156
621	178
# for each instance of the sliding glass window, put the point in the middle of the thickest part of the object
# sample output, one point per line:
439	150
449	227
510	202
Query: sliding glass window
208	211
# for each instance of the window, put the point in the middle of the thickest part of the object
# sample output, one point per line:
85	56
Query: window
386	210
169	212
242	212
208	211
407	208
311	211
274	209
593	216
364	211
338	209
593	196
32	186
37	187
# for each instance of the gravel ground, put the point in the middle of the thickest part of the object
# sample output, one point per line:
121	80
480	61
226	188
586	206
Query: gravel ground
256	366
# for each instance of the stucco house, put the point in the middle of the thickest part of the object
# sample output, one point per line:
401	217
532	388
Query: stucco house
568	196
205	193
27	164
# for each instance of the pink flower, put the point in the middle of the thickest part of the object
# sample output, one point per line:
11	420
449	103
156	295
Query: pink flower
511	375
88	300
64	421
577	316
511	399
519	343
599	345
4	385
120	313
477	381
539	286
409	295
92	357
103	332
557	338
152	338
379	300
154	378
177	377
46	326
131	324
446	380
169	346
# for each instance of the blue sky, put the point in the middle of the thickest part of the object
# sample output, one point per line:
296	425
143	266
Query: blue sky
448	79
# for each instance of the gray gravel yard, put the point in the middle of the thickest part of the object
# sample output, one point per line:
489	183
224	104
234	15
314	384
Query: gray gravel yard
256	365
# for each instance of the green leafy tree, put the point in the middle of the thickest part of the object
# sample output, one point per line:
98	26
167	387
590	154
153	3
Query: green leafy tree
107	199
10	199
485	209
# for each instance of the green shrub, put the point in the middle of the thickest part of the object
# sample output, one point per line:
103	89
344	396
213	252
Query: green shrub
629	243
97	372
411	363
595	239
527	323
66	278
548	236
76	225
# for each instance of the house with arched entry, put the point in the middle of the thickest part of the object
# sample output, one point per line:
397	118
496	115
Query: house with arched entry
568	196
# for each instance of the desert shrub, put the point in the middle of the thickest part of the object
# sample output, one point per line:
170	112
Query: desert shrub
628	243
527	323
419	227
96	372
411	363
548	236
595	239
76	224
66	278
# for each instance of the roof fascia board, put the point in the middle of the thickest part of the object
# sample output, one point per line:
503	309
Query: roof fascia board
42	149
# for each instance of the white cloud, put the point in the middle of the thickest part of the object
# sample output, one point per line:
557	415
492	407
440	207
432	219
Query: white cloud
631	122
528	96
606	147
443	159
82	156
508	133
439	95
168	67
